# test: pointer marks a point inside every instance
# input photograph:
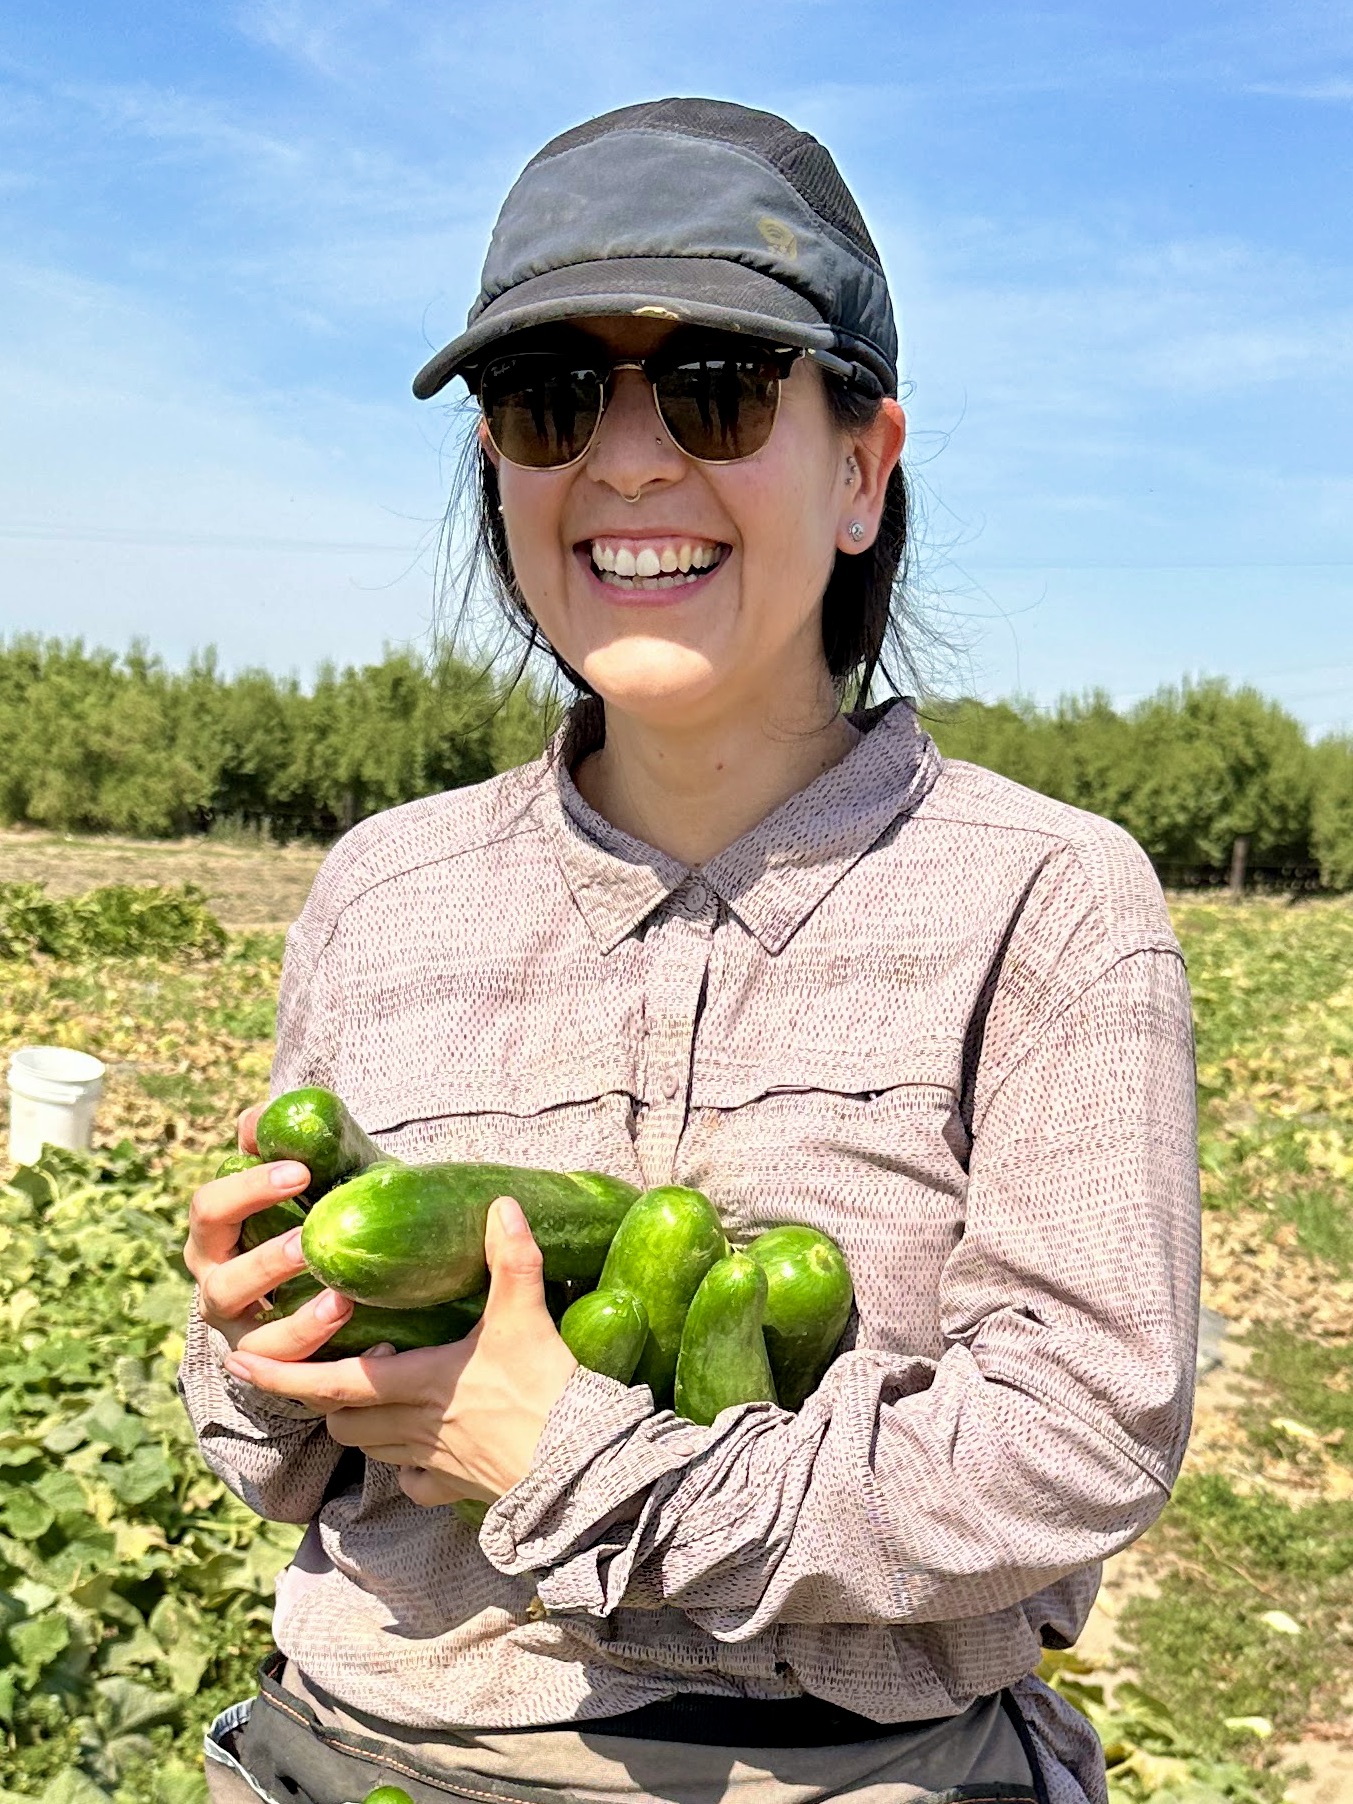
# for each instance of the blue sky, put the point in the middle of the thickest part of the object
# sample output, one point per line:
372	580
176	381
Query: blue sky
1119	241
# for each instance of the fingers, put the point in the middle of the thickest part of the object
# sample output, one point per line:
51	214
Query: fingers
346	1384
430	1489
231	1289
220	1206
393	1424
516	1274
246	1129
301	1335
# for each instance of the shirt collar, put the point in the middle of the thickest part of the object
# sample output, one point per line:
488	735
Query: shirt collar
774	876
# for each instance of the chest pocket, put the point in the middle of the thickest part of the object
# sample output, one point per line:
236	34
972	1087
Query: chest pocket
558	1118
882	1168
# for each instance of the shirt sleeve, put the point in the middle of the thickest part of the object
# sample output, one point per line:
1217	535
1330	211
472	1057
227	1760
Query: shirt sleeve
275	1454
1043	1439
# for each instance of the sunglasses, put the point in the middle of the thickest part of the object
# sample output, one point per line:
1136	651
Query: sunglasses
718	400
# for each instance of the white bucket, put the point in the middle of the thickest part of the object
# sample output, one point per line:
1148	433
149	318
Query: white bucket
53	1092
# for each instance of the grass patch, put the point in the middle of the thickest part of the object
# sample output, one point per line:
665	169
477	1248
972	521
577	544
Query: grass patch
1314	1384
1216	1643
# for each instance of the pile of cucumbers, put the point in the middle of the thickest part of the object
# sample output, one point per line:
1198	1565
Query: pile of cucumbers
644	1285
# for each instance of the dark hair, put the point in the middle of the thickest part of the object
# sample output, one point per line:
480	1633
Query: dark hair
867	617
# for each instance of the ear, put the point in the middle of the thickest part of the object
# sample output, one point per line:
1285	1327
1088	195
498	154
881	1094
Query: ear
873	453
486	444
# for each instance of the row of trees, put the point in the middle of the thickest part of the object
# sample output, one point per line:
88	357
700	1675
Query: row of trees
1207	777
1211	780
93	742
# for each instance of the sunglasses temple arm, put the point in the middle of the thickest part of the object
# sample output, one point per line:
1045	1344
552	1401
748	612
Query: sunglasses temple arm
854	375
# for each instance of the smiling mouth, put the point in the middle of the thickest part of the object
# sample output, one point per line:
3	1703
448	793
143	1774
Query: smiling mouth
655	564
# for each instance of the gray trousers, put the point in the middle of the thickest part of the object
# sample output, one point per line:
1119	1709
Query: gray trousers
294	1744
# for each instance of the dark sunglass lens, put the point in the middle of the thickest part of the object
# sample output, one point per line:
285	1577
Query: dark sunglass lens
541	412
720	408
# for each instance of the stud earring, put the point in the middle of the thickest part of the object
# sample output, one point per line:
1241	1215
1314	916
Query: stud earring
852	470
856	531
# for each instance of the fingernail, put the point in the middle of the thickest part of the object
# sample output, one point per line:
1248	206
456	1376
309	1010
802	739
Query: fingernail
236	1367
510	1216
291	1244
288	1174
332	1308
380	1351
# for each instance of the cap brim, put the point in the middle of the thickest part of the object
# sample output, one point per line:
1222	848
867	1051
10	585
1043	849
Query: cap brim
696	291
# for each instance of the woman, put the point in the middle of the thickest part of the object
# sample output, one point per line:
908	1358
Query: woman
725	934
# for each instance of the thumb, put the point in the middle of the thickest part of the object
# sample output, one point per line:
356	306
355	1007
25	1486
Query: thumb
516	1269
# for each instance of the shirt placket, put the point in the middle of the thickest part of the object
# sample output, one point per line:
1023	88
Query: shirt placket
678	962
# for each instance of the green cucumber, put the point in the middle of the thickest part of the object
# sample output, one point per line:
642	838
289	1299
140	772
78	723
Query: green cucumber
267	1224
403	1236
472	1511
234	1162
388	1794
723	1359
605	1331
669	1239
612	1191
807	1307
406	1330
314	1127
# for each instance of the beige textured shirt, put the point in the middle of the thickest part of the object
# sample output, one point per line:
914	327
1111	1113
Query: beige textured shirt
936	1015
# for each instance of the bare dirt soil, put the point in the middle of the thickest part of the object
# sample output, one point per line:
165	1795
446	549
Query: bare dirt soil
247	885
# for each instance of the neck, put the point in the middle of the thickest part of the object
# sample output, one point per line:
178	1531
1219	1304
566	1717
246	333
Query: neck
692	791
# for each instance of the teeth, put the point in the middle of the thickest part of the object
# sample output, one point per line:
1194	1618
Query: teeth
649	568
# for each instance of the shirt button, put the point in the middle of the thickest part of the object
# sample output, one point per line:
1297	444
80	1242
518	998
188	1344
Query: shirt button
670	1085
699	895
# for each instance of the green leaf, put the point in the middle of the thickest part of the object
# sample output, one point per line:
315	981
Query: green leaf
37	1642
145	1474
26	1515
64	1492
66	1436
73	1787
181	1633
126	1707
108	1422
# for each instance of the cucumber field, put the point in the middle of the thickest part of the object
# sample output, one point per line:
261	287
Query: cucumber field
135	1593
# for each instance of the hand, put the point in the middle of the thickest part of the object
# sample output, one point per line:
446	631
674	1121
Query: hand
231	1284
459	1421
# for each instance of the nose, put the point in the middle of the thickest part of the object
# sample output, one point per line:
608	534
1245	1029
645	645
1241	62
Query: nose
632	450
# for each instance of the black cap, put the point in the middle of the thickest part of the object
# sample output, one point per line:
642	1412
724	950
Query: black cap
698	211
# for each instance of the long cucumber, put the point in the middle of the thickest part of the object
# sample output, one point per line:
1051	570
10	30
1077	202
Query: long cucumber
407	1236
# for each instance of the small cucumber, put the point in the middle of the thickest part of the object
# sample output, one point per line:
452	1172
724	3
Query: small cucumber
402	1236
723	1358
267	1224
405	1329
234	1162
605	1331
807	1307
472	1511
314	1126
669	1239
388	1794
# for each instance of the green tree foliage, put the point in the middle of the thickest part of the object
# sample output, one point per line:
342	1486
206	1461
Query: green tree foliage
1332	812
93	742
1188	772
96	743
